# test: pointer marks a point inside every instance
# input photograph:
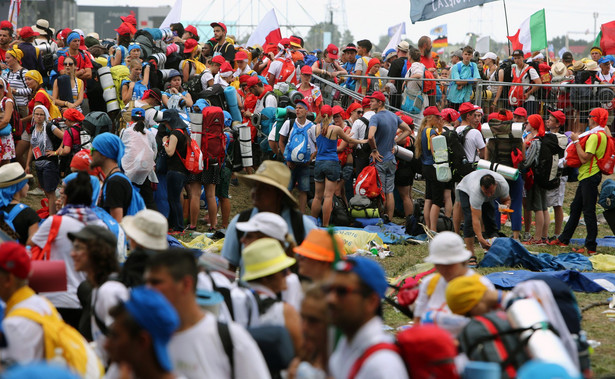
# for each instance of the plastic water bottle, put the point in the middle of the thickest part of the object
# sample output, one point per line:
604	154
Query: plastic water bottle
58	359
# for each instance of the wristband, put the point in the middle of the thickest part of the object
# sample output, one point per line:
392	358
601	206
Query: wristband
575	142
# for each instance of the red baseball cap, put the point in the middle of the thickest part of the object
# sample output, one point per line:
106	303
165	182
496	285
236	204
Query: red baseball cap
326	110
466	108
243	79
378	96
306	70
241	55
252	81
219	59
520	111
190	45
220	24
351	47
27	32
130	18
449	114
6	24
123	29
338	110
226	67
431	111
365	102
405	118
353	107
191	29
302	101
332	51
559	116
14	259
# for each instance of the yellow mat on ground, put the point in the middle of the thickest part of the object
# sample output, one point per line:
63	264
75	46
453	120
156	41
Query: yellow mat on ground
603	262
357	239
203	243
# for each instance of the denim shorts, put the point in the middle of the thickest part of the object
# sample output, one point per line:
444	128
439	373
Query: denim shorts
300	175
48	174
327	169
347	172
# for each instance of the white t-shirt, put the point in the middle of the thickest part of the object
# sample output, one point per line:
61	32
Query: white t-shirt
267	101
274	69
470	184
205	78
293	294
60	251
284	131
474	142
361	65
527	78
25	337
103	299
358	127
198	352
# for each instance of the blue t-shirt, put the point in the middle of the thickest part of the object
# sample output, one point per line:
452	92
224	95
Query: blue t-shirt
426	155
463	72
386	123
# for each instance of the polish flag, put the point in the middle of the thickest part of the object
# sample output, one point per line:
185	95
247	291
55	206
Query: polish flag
268	31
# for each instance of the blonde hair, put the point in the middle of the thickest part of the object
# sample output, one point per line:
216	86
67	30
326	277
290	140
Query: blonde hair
427	122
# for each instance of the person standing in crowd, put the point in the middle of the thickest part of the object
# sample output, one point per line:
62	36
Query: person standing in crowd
528	75
590	177
15	78
476	193
360	129
265	97
474	144
175	97
416	70
223	47
152	98
6	37
364	47
316	254
76	86
138	83
175	142
45	156
83	64
354	294
381	138
7	142
142	328
397	69
349	56
213	67
464	73
269	193
107	153
13	189
327	169
34	81
196	348
555	197
71	142
404	175
192	64
30	59
310	92
94	253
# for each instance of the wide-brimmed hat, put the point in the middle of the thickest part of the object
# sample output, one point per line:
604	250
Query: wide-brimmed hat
592	66
558	70
318	245
147	228
273	173
447	248
42	27
264	257
12	173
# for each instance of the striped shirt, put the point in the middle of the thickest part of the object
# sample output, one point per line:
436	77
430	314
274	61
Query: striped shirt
17	81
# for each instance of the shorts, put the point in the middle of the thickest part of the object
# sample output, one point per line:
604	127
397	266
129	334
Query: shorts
211	175
329	170
386	172
25	136
536	199
555	197
404	176
223	186
48	174
434	189
347	172
300	175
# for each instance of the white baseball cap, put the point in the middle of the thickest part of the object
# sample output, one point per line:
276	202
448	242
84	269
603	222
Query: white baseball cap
270	224
489	55
447	248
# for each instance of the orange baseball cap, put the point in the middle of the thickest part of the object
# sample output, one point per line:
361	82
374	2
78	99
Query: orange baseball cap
318	245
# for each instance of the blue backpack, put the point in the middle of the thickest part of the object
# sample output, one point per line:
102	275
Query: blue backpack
136	203
298	148
607	194
114	227
268	119
9	217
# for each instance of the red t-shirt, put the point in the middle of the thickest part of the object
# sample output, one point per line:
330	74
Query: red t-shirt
313	103
40	97
428	62
82	59
69	139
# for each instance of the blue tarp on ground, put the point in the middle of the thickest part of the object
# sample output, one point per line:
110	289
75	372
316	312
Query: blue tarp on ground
507	252
390	233
608	241
578	281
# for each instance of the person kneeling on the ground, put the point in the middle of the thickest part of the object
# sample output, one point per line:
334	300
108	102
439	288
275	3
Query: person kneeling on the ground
476	193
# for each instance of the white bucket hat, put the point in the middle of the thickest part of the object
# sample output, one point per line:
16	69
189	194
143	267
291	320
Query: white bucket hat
147	228
270	224
447	248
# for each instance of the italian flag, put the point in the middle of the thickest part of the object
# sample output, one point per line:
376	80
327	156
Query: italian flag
532	35
606	38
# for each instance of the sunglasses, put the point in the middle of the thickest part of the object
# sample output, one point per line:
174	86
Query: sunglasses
340	291
68	64
360	112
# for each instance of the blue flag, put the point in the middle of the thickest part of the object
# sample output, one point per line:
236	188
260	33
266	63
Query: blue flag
421	10
393	29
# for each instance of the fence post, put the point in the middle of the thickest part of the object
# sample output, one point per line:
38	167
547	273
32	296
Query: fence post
478	94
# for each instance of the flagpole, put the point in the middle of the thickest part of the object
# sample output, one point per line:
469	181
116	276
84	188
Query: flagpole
507	31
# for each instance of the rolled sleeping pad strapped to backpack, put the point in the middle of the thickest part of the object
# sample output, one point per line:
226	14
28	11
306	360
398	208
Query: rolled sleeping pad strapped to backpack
505	171
196	127
108	86
516	129
231	99
245	146
164	74
159	58
542	343
403	153
209	301
294	96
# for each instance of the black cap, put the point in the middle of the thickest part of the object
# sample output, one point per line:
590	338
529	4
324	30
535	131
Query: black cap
518	52
350	46
567	56
91	232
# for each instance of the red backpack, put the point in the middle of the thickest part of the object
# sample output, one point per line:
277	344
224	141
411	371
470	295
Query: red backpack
213	140
287	72
605	163
194	156
516	96
429	86
368	183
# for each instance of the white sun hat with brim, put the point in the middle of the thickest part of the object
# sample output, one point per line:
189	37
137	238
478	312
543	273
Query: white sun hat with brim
147	228
12	173
447	248
264	257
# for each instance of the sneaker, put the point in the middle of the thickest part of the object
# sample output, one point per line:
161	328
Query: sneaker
36	192
551	239
531	241
542	242
527	236
557	242
190	228
583	250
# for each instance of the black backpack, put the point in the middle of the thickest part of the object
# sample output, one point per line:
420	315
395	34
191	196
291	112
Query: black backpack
214	96
194	86
583	94
96	123
547	174
365	150
460	164
55	141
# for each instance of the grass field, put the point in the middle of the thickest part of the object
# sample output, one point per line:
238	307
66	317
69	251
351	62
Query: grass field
597	325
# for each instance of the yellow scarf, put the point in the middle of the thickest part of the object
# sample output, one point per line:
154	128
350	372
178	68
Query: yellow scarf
20	295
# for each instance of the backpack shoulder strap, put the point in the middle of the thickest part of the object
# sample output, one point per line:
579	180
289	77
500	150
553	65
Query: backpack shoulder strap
243	217
227	343
296	222
17	209
433	282
53	233
356	367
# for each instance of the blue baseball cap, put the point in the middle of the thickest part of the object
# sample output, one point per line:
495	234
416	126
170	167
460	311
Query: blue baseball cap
133	46
603	60
138	112
151	310
369	271
173	73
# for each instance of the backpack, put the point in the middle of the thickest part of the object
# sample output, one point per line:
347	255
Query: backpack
213	139
199	66
55	141
309	60
605	163
429	86
96	123
119	73
15	120
136	203
59	336
17	209
298	148
583	94
194	86
339	213
547	173
427	351
194	156
607	194
39	254
287	72
364	207
491	338
215	96
503	147
516	94
460	164
368	183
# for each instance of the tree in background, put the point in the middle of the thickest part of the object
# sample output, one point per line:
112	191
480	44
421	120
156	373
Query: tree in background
314	39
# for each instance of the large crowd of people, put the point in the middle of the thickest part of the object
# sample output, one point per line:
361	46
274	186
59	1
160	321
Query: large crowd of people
130	138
